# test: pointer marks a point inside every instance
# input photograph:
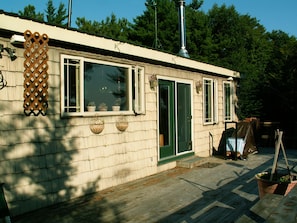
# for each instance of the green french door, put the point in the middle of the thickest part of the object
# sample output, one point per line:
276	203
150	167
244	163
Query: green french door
166	119
184	117
175	118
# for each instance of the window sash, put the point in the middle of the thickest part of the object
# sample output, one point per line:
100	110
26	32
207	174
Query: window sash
227	101
138	93
73	85
208	108
210	112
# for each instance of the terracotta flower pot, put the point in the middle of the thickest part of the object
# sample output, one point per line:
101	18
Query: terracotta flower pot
116	108
267	186
91	108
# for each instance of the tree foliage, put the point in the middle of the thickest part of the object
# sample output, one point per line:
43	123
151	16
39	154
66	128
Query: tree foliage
111	27
29	12
143	29
54	16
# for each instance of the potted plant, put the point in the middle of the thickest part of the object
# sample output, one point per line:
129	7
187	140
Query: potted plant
117	105
102	107
91	106
276	182
281	183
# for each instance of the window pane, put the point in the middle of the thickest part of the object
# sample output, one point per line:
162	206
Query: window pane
227	96
106	86
71	85
207	101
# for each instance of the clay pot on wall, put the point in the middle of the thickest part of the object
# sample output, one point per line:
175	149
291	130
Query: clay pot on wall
122	125
97	127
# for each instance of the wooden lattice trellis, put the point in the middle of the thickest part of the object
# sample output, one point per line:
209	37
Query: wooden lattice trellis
35	74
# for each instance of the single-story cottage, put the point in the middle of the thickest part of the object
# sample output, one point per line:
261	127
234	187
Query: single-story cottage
82	113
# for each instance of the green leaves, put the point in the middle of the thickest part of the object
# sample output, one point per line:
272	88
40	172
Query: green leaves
29	12
53	16
111	27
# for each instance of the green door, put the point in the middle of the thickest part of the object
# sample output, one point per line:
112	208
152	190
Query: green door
175	118
166	119
184	117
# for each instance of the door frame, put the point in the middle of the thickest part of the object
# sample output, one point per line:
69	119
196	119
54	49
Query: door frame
183	81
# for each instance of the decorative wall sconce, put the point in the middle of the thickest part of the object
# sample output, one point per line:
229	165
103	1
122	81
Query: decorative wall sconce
11	52
153	81
198	86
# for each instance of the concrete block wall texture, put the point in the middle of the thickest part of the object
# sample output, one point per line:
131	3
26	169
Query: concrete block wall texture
48	159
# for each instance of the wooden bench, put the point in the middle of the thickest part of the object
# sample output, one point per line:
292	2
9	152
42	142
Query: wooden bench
273	208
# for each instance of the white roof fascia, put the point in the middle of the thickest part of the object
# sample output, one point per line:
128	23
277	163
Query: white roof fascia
16	24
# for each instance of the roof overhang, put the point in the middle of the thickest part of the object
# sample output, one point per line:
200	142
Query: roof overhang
16	24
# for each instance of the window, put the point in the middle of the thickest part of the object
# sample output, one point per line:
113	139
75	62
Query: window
227	101
110	87
210	113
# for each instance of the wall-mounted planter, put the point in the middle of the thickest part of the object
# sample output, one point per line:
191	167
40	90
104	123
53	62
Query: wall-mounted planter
122	125
97	127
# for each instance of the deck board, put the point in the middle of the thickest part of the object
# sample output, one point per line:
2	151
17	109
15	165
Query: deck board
222	193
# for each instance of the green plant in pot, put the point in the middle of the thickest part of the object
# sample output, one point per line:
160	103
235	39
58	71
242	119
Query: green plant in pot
276	182
117	105
281	183
91	106
102	107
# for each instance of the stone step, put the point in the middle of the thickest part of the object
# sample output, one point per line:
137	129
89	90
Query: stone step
191	162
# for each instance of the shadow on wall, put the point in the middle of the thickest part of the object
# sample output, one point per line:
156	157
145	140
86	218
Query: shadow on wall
37	160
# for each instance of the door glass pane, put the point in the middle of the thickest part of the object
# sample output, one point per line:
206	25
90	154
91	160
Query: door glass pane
164	115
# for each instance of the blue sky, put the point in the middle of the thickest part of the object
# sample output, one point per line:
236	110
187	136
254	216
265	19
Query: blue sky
272	14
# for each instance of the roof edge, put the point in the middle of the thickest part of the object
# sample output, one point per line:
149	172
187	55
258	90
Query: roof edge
20	25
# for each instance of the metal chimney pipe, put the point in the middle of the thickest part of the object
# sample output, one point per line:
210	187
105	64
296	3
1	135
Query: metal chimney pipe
69	13
182	29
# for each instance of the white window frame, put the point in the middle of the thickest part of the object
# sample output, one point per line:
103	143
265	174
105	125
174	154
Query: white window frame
213	111
136	92
139	82
230	98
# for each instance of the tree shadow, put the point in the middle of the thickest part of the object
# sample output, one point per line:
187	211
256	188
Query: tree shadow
43	165
224	204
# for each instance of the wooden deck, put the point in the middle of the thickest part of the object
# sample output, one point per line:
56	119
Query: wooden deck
221	191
